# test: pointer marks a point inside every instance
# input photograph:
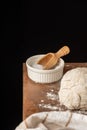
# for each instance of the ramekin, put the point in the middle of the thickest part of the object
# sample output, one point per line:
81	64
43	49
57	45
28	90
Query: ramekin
44	76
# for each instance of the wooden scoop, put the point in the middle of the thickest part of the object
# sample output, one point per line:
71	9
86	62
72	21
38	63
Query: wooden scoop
51	59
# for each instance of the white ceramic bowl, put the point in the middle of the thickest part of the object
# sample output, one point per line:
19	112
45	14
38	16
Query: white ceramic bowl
43	76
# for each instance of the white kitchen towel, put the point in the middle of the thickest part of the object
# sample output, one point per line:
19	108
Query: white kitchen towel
54	120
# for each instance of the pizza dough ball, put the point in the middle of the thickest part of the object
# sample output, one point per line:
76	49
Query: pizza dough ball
73	89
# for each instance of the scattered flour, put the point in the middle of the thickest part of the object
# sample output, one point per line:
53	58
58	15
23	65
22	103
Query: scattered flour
52	96
42	100
48	106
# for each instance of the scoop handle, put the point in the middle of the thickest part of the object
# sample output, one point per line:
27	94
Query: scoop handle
62	52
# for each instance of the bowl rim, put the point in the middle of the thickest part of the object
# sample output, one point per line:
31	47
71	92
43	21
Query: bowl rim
41	70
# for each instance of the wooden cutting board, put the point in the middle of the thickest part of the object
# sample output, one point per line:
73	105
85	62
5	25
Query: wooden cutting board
42	97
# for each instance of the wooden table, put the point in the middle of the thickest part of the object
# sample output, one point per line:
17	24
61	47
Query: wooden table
42	97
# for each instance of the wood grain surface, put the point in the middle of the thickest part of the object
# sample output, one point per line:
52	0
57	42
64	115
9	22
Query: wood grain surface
42	97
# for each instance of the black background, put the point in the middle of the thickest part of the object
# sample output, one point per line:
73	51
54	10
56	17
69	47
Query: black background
36	27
